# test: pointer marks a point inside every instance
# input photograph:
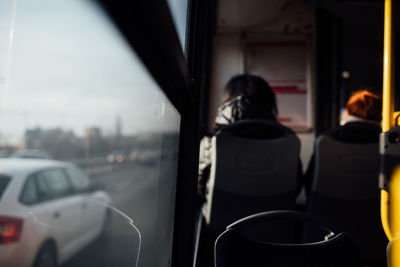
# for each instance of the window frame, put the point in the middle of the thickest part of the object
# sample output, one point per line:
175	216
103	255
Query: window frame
149	29
55	195
183	76
2	190
23	188
76	191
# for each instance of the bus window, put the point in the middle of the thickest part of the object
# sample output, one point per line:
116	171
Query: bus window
179	9
73	89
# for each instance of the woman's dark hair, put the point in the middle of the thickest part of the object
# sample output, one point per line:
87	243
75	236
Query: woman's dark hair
259	99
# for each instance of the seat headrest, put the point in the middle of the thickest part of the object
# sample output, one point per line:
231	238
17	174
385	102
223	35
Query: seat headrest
256	129
356	133
291	215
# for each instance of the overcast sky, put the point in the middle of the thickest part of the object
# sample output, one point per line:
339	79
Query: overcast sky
66	66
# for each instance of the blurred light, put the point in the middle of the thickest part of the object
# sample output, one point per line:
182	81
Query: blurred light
111	158
120	158
10	229
345	74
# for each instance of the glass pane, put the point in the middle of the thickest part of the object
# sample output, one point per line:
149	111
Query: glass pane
179	11
392	252
73	94
29	193
4	180
42	188
56	181
78	180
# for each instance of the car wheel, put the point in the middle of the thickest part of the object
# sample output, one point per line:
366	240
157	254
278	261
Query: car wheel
46	257
106	229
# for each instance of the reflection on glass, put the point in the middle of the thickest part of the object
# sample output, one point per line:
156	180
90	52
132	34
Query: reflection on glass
392	252
88	142
179	10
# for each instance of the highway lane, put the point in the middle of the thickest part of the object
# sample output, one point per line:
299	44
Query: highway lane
134	190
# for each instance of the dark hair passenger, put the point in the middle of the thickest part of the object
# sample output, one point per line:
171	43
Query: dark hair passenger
245	97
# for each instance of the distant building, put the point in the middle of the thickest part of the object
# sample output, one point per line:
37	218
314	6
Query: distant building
93	132
58	143
94	143
32	138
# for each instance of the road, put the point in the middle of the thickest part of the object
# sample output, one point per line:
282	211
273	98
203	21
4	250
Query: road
135	190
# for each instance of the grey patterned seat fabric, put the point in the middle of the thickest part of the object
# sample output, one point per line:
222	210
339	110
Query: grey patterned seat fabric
344	186
254	169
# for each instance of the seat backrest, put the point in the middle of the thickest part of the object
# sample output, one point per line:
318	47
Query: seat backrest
344	187
235	247
254	169
345	170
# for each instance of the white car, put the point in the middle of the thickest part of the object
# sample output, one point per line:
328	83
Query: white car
30	154
48	212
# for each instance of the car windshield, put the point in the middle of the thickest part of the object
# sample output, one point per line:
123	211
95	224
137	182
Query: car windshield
4	180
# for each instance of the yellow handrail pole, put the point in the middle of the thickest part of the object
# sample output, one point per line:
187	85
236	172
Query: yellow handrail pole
387	104
388	81
385	213
394	186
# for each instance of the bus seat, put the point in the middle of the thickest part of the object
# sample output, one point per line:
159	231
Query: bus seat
254	169
243	245
344	186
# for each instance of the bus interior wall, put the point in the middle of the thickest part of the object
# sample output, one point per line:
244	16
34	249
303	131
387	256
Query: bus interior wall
344	53
274	24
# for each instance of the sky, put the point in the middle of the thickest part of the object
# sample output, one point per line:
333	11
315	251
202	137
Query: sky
64	64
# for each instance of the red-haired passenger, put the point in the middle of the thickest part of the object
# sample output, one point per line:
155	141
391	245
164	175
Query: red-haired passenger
360	124
363	105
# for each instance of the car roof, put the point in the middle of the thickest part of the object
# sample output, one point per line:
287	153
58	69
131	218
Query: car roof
14	166
30	153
